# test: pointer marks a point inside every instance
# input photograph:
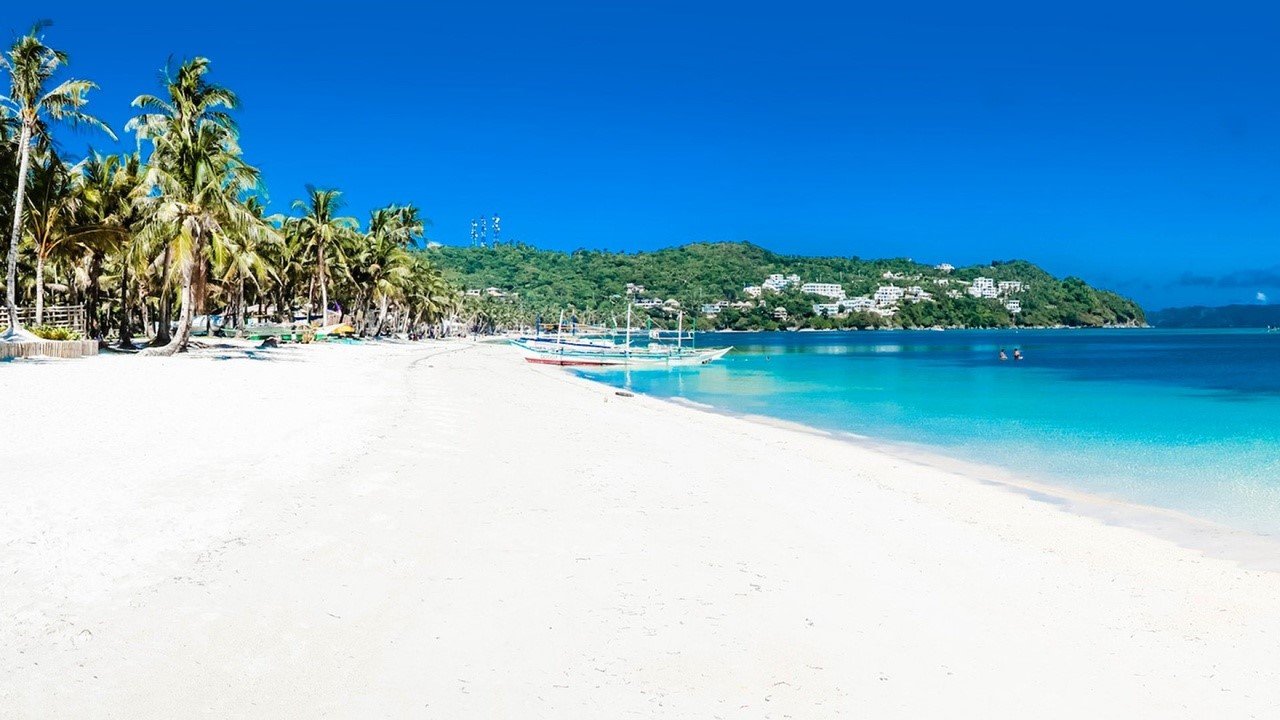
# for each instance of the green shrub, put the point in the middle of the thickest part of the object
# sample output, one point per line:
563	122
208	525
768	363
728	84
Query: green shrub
50	332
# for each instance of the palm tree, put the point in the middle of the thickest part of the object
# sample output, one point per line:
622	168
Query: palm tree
51	206
323	231
194	180
31	65
429	297
238	259
108	188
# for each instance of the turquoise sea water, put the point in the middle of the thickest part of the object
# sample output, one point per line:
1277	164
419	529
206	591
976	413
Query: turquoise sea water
1187	420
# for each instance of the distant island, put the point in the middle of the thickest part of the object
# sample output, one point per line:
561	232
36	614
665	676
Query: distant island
741	286
1226	316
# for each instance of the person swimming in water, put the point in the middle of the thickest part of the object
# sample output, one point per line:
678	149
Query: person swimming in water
1003	356
1017	354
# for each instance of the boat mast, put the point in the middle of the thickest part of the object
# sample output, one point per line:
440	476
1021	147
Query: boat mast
628	330
679	330
560	329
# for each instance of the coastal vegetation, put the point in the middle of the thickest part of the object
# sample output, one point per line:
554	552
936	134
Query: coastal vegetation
528	282
180	225
1224	316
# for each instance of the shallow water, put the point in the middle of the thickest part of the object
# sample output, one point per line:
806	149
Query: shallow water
1187	420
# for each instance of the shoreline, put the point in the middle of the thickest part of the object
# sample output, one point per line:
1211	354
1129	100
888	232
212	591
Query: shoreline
450	532
1251	550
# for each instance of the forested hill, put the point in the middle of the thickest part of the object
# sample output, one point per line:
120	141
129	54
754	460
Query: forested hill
1227	316
594	283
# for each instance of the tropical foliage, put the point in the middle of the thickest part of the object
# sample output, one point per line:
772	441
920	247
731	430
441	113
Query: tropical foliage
538	282
156	242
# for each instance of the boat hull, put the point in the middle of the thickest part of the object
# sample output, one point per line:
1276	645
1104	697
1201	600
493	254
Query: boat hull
632	359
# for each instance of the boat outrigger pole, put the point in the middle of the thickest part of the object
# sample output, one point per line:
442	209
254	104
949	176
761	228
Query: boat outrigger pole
628	350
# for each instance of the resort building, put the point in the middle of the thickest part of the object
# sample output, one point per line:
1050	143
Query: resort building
888	295
1009	286
916	294
711	309
634	289
648	303
1014	306
983	287
831	290
775	282
752	291
826	309
858	304
944	267
779	313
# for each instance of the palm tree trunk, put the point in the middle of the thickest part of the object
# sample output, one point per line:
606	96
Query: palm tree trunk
311	298
126	337
165	302
11	273
186	309
324	290
240	308
382	316
94	324
39	287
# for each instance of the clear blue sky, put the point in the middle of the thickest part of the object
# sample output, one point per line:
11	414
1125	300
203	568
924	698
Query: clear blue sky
1136	146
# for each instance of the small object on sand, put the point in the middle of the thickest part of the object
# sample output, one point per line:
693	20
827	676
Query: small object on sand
270	342
623	393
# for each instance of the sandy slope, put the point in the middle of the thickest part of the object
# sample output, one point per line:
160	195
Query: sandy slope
445	532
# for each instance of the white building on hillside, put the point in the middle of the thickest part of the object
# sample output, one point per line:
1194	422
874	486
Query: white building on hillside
826	309
752	291
1009	286
775	282
983	287
858	304
915	293
778	282
831	290
1014	306
944	267
888	295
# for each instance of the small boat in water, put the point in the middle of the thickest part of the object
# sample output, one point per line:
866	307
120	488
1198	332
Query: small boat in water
632	357
594	352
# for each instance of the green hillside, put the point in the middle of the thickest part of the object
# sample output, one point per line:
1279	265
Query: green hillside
593	284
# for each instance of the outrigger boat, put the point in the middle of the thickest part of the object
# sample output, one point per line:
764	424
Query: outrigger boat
593	352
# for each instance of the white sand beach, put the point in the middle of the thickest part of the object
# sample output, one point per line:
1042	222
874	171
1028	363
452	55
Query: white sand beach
443	531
